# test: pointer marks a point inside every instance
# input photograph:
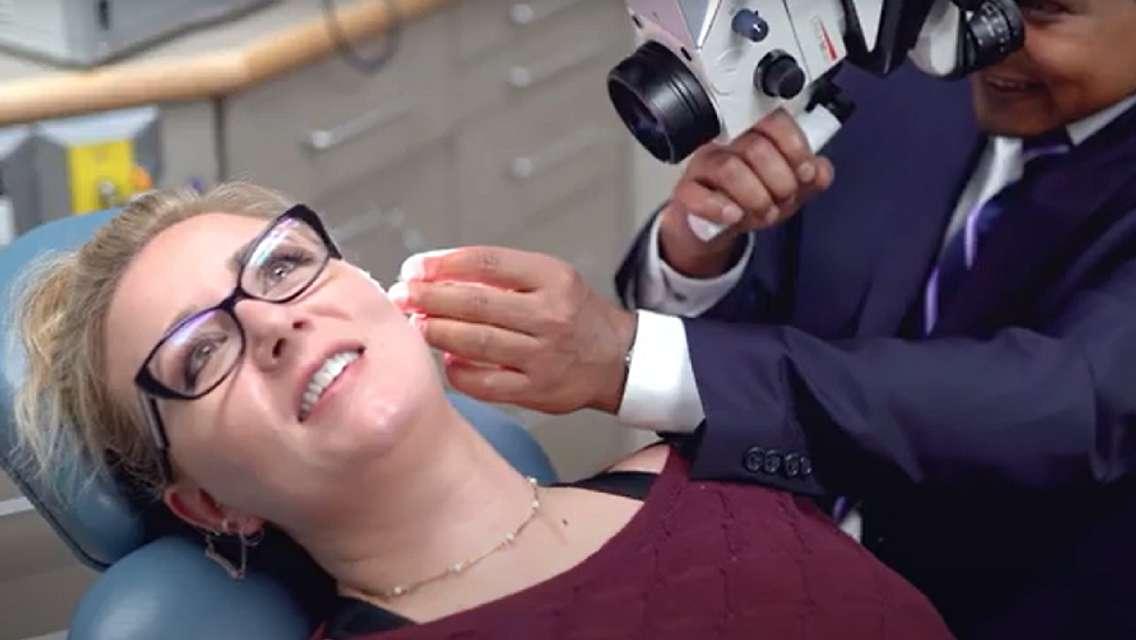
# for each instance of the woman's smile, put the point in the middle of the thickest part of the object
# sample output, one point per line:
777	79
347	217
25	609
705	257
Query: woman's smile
342	367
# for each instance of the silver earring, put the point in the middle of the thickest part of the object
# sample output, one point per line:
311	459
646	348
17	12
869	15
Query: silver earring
236	572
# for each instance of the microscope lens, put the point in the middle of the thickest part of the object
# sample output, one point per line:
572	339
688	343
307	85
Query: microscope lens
662	103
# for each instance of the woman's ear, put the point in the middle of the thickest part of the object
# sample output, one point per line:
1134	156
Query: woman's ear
195	506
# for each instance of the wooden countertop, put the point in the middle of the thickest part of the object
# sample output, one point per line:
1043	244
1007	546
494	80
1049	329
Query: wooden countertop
203	63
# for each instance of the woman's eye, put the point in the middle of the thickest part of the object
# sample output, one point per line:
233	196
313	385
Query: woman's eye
278	268
197	359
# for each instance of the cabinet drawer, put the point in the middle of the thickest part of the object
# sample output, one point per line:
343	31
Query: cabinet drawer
588	37
39	549
7	487
381	219
328	124
485	26
44	602
588	232
519	162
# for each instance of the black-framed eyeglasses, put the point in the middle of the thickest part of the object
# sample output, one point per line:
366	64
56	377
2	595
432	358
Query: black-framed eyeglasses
199	352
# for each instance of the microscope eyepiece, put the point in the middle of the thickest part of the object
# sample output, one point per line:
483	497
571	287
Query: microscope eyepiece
993	31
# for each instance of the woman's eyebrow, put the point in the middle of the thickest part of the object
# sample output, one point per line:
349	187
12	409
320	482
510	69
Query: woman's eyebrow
240	256
236	263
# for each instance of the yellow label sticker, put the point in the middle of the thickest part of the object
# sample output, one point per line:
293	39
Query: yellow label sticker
100	174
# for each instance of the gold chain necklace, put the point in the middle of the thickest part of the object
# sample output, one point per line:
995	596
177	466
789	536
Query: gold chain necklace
458	567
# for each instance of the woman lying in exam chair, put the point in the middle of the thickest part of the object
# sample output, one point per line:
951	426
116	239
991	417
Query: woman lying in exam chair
221	352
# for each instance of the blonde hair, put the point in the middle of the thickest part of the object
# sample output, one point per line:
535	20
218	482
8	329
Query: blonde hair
63	407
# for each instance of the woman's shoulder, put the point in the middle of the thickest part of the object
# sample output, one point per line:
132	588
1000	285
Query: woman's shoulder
650	459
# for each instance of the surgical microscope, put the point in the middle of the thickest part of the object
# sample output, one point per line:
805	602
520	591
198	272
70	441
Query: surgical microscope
707	70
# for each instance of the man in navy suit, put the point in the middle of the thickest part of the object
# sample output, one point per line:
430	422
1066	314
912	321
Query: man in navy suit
947	333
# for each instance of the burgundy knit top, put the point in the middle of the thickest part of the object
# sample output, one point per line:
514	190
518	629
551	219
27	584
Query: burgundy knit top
698	560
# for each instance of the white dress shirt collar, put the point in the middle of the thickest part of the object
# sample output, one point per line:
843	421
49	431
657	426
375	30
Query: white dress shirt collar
1084	128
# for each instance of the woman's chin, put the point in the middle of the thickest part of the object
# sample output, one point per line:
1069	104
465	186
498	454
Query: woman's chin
370	425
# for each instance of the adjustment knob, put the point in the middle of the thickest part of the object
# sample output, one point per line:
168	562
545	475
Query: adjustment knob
779	76
748	24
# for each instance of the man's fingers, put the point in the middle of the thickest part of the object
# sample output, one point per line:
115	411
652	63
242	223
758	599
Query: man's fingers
470	302
782	130
495	266
826	174
489	383
705	203
478	342
733	175
770	166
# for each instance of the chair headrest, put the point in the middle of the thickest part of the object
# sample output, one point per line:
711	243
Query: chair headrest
98	523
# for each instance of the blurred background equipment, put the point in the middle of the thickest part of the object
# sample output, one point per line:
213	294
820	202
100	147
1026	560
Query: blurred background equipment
18	210
364	62
87	32
90	163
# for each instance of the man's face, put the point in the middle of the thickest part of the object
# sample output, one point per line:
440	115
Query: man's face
1079	57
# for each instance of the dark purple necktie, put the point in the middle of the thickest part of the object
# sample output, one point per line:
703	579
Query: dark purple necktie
961	252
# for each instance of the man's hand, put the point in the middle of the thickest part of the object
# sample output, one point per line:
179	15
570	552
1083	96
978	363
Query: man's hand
757	181
517	327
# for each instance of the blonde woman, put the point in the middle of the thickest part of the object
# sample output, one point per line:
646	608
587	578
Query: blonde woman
221	352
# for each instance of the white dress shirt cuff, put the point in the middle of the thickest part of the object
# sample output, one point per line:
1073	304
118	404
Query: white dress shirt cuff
665	290
661	394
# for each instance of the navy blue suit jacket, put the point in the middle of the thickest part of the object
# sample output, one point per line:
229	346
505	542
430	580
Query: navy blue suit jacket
993	456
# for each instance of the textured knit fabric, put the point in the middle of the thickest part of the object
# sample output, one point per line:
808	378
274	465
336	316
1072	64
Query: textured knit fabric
708	560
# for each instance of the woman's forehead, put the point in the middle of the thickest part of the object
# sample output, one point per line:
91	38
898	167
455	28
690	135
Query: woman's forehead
189	252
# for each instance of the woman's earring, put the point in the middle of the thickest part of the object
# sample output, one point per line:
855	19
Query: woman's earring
236	572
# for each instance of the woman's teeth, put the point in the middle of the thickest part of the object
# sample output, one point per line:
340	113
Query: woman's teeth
322	379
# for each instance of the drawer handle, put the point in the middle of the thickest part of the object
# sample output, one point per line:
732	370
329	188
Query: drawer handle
391	220
524	13
530	166
522	77
321	140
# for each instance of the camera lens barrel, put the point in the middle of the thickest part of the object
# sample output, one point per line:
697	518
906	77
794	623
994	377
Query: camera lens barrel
993	31
662	103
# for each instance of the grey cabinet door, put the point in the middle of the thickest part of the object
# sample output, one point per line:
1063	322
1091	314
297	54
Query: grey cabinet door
328	125
502	55
562	140
380	220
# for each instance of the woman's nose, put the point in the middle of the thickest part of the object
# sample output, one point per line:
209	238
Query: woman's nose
271	331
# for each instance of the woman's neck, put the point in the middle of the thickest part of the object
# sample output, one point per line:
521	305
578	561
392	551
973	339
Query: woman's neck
445	496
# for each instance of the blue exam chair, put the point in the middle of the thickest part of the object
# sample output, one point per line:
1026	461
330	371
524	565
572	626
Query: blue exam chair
156	581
